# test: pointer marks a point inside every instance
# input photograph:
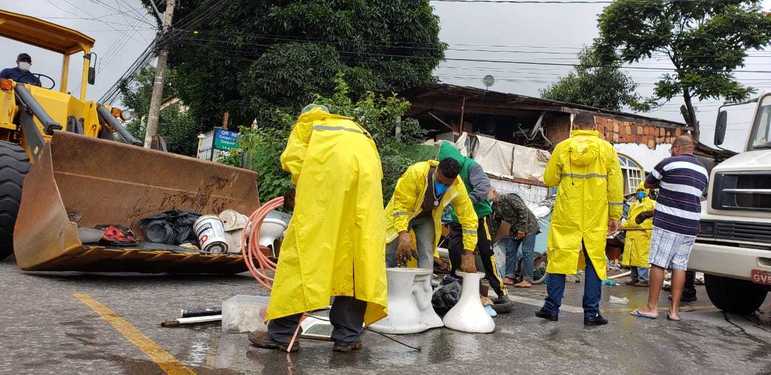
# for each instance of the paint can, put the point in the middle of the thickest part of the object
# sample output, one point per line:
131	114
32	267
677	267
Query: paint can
211	235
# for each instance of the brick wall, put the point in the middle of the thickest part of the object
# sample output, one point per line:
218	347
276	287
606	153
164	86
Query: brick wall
619	131
616	130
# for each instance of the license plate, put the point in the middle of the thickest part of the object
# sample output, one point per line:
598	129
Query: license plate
761	277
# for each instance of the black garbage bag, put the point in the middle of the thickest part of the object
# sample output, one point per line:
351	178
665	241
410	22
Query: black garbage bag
446	296
171	227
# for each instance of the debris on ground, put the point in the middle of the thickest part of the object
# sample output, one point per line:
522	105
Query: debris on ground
204	311
446	296
618	300
244	313
195	316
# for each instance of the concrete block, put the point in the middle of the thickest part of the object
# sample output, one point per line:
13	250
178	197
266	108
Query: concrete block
243	313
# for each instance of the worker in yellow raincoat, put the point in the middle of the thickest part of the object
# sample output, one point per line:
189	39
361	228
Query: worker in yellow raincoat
333	247
420	197
586	171
638	227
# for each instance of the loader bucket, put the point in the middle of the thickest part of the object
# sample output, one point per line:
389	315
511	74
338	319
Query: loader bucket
85	182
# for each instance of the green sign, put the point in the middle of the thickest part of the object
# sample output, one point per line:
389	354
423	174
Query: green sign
225	139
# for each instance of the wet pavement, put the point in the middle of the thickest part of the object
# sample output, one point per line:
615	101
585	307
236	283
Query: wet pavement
47	330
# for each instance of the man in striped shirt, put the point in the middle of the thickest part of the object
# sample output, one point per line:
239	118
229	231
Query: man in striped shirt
681	180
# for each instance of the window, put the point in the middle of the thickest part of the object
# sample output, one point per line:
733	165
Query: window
761	133
633	173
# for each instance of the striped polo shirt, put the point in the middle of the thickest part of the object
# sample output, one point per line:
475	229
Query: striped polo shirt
681	180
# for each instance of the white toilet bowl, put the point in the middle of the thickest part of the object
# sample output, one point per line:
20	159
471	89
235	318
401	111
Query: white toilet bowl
409	303
468	315
273	227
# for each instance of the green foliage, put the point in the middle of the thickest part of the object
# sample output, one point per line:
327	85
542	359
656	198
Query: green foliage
251	57
396	157
260	149
706	40
177	126
597	85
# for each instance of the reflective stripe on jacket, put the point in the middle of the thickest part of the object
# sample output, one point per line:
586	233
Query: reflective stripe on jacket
586	170
405	205
334	243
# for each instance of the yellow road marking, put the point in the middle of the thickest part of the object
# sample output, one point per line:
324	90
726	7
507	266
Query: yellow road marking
157	354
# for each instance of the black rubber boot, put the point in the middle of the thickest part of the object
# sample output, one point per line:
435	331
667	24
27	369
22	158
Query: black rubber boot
343	347
543	314
264	341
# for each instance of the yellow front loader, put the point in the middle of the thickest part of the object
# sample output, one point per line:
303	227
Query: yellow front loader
61	170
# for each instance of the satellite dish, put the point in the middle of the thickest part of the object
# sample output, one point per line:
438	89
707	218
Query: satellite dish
488	80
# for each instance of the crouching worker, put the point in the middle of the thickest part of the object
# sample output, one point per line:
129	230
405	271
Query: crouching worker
421	195
333	247
478	186
639	228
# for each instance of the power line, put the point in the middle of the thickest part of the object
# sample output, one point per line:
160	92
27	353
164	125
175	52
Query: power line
110	7
525	1
193	19
429	47
594	66
111	94
572	63
136	11
478	60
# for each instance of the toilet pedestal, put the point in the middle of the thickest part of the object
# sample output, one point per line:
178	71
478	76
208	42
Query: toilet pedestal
468	315
423	293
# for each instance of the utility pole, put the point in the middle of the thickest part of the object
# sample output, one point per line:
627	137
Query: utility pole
154	113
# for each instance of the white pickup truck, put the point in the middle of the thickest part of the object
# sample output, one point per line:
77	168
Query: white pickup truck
734	246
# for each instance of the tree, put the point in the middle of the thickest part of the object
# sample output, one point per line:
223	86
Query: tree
256	56
260	148
177	126
706	40
596	85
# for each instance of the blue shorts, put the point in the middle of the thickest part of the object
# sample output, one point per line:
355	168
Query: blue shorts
670	249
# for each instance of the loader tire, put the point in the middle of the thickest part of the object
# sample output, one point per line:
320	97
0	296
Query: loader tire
14	165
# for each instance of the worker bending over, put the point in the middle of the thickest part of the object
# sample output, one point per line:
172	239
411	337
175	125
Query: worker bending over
478	185
638	227
421	195
333	247
586	170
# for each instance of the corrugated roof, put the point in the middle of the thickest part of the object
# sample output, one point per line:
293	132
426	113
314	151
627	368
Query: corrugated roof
510	99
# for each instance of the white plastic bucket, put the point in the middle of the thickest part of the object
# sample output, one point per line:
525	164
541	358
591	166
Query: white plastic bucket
211	234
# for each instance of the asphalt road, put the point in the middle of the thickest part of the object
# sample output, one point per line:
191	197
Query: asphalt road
106	324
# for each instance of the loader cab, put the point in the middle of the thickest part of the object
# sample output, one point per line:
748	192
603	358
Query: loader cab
55	38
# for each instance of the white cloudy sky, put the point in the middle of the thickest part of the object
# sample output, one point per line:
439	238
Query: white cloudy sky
514	32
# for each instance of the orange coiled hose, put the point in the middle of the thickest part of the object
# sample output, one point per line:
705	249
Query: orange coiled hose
255	258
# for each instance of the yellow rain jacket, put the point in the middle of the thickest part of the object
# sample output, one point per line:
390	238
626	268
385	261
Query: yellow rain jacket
638	236
586	170
334	243
408	196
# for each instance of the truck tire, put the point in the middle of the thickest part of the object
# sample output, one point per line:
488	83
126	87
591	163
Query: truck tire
14	165
734	296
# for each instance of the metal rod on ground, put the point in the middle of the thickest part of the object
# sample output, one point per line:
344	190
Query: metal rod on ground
207	311
154	113
193	320
624	274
